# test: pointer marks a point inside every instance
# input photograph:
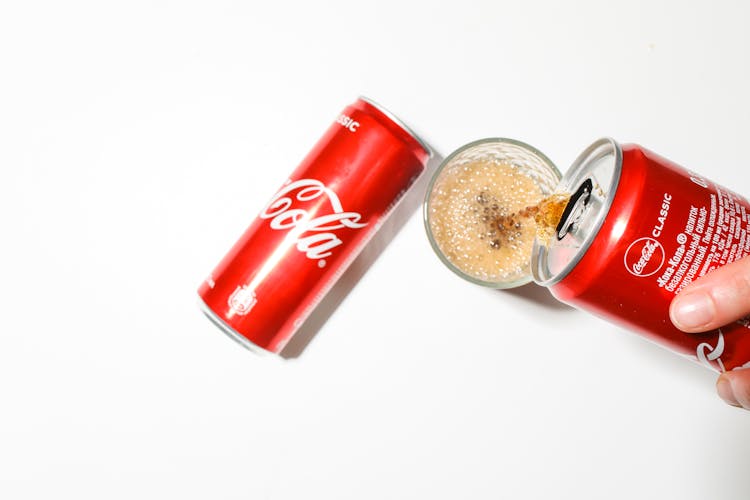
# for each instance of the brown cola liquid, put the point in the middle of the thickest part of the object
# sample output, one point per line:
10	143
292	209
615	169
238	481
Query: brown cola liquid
485	215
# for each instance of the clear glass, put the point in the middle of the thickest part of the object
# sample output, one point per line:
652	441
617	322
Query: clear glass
524	159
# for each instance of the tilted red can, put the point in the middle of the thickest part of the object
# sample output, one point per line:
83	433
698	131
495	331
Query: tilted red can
637	230
313	227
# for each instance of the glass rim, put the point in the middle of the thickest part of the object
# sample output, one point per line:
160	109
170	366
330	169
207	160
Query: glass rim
521	280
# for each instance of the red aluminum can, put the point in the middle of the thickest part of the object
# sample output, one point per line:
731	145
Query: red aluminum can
313	227
638	229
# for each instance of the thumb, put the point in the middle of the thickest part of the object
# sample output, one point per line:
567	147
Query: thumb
714	300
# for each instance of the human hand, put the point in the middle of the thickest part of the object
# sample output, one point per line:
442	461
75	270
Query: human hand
712	301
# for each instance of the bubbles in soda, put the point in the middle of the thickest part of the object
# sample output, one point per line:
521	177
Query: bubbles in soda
484	216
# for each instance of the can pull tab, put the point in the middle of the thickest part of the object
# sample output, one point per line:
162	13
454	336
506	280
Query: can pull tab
575	208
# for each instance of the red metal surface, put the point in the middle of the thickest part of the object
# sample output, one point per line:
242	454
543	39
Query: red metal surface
315	225
666	227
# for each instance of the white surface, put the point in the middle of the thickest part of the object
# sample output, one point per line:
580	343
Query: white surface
137	142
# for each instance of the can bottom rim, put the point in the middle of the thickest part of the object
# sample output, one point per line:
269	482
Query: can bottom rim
231	332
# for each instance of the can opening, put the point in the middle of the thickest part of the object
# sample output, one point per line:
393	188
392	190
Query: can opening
575	208
592	181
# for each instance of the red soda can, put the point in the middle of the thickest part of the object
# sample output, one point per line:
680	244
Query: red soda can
630	230
313	227
637	230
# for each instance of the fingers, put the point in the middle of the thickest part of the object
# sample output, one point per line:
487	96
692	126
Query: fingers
734	388
716	299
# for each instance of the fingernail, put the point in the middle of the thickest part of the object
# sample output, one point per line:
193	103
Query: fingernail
725	391
692	310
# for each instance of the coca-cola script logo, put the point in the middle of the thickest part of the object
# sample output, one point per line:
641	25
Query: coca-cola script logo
644	257
312	233
707	353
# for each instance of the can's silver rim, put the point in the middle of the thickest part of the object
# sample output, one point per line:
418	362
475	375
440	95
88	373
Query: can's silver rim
400	123
575	174
523	280
231	332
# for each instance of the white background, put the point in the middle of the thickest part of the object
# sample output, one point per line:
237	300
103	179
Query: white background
138	140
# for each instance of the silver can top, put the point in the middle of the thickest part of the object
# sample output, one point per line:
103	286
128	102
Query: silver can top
592	182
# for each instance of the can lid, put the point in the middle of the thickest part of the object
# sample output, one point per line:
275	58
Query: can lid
592	182
393	118
474	210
